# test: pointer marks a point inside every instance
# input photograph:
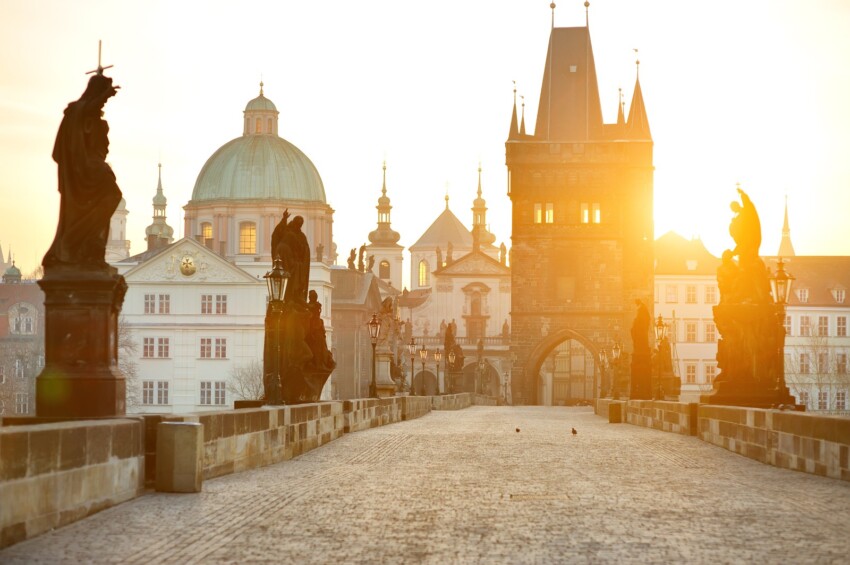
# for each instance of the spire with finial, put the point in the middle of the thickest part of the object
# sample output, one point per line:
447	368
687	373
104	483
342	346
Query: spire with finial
522	122
786	249
159	233
512	134
384	235
447	195
479	218
621	109
587	13
638	124
552	6
261	87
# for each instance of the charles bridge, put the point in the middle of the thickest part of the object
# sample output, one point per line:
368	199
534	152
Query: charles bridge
430	479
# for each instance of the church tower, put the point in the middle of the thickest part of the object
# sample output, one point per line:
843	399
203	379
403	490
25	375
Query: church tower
159	233
582	224
118	246
383	242
482	238
785	247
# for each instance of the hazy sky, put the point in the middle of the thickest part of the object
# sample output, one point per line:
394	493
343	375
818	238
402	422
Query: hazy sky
736	91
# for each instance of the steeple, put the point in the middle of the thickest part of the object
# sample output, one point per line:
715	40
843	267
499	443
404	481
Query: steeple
384	235
785	247
621	112
159	233
522	122
512	134
479	218
638	124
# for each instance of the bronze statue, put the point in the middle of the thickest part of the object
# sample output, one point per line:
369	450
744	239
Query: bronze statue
439	257
351	259
745	228
316	337
371	264
290	244
360	265
503	254
640	328
320	253
88	191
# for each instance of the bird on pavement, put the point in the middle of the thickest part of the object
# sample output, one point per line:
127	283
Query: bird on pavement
517	430
574	432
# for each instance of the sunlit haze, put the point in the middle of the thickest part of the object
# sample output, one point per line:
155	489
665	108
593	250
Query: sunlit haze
736	91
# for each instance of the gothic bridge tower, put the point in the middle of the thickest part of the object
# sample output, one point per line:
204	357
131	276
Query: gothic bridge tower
582	223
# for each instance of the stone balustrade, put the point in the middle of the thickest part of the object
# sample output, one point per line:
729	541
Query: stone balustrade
52	474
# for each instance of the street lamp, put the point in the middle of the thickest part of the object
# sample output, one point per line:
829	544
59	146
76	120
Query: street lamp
450	359
423	354
616	350
603	366
411	348
660	329
479	382
437	356
780	284
661	349
276	281
374	329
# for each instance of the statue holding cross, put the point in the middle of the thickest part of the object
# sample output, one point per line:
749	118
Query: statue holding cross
89	193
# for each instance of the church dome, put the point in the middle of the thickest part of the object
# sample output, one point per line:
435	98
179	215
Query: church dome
259	165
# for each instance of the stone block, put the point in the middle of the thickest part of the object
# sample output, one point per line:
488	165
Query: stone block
179	457
615	413
14	454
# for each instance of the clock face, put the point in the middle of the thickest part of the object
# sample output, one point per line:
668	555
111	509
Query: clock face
187	265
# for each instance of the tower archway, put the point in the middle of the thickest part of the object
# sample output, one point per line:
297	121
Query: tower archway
565	369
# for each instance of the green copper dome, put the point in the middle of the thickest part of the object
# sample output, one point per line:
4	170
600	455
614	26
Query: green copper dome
260	164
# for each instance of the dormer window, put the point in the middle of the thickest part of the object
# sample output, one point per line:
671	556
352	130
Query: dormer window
803	295
838	294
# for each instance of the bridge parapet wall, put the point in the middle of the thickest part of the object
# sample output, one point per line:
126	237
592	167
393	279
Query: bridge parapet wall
364	413
451	401
792	440
52	474
675	417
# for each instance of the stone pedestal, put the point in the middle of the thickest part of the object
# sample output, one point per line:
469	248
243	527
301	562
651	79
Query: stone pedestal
80	378
179	457
641	373
386	385
750	356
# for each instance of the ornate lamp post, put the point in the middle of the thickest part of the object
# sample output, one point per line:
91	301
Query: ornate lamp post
780	288
276	281
450	369
411	348
479	384
616	350
374	329
437	356
603	372
423	354
660	339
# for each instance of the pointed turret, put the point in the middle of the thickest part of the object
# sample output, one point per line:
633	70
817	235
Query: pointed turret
383	242
512	134
785	247
384	235
479	218
621	112
159	233
522	122
638	124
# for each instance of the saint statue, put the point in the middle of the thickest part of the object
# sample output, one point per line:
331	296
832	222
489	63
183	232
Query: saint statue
290	244
351	258
745	228
640	328
88	191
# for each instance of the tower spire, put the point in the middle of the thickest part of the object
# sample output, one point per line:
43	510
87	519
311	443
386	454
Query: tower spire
522	123
587	14
552	5
786	249
512	134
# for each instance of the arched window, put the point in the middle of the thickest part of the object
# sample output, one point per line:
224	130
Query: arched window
247	238
206	231
424	273
475	304
259	125
384	269
269	128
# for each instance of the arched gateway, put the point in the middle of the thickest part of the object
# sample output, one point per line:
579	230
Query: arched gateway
582	228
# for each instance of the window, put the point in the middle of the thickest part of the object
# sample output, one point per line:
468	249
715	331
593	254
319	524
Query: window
19	368
841	326
206	348
164	303
805	326
787	325
841	400
27	325
690	373
147	392
150	304
147	347
206	304
22	403
550	213
804	398
162	392
691	294
424	274
823	363
247	238
259	125
823	400
710	372
154	392
221	348
2	374
384	269
823	326
672	294
710	332
269	125
221	304
803	295
538	213
597	213
805	364
210	387
841	363
206	392
162	347
711	294
690	332
206	231
838	294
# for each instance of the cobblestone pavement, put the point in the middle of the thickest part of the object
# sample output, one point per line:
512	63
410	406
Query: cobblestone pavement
465	487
